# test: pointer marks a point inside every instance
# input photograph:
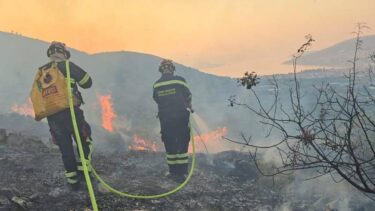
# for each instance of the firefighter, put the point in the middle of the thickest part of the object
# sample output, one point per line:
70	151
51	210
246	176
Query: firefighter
60	123
173	97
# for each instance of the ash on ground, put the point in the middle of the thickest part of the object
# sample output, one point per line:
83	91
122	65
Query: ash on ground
32	178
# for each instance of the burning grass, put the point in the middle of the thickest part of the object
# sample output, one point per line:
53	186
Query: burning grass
108	113
25	109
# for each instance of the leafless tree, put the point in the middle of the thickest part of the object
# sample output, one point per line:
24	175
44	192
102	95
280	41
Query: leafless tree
333	135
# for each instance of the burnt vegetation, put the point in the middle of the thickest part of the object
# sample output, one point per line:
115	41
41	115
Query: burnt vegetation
32	179
331	133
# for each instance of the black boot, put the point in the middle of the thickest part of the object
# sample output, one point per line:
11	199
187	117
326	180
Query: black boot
75	186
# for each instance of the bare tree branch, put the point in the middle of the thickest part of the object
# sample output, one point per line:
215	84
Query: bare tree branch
334	133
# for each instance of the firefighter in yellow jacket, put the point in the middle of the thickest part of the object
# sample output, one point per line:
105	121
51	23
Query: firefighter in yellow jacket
173	97
60	123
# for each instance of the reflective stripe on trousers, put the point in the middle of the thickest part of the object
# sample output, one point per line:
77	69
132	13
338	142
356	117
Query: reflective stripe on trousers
71	177
175	159
88	161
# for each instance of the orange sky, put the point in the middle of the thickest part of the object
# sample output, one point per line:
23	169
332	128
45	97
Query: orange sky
223	37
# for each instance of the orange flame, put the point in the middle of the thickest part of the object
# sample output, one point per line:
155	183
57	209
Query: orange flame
212	140
108	114
25	109
141	144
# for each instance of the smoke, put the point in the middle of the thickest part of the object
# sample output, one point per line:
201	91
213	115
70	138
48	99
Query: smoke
19	123
128	77
286	206
209	140
315	194
199	123
323	193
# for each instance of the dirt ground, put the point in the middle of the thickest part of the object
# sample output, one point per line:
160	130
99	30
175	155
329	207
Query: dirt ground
31	178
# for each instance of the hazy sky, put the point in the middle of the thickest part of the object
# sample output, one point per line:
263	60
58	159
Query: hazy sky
223	37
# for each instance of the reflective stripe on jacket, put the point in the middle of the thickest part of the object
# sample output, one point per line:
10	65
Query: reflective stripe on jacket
172	95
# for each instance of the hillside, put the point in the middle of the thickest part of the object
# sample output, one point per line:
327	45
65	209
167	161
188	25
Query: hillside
338	55
220	182
127	76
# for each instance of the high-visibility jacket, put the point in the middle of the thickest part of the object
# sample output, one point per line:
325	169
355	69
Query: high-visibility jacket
172	95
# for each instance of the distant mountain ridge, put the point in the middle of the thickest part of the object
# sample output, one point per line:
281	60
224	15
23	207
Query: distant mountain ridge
127	76
338	55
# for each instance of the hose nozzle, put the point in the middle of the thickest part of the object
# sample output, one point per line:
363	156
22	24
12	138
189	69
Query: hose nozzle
191	110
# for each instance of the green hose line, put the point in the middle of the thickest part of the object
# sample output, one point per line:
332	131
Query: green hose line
105	185
129	195
78	139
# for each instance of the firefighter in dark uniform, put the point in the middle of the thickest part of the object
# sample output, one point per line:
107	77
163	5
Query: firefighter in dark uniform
173	97
60	123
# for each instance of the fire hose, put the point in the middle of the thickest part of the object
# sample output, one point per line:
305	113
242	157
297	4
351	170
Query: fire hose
105	185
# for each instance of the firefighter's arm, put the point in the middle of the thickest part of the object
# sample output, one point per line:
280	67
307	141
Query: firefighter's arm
82	77
154	95
189	101
188	95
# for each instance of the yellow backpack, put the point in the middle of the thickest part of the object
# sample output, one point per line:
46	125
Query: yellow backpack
49	93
